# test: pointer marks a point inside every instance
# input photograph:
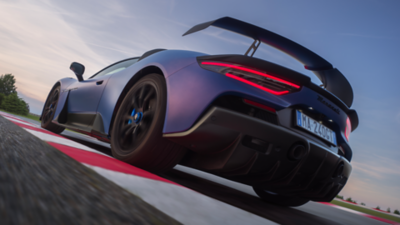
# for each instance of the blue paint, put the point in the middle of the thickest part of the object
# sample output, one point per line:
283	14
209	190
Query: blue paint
190	90
298	118
139	116
132	114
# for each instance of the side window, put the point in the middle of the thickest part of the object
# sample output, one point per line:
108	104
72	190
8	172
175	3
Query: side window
115	68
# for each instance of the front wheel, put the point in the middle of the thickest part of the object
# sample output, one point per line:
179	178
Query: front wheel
136	136
49	111
277	199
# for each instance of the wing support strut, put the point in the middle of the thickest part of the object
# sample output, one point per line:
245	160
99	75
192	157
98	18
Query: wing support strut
253	47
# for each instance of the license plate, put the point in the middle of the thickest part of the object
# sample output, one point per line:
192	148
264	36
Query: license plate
315	127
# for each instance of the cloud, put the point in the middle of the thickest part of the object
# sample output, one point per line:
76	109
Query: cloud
172	6
378	167
374	180
371	192
37	47
35	105
39	40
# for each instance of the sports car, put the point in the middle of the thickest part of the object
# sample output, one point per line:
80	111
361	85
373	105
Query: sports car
235	116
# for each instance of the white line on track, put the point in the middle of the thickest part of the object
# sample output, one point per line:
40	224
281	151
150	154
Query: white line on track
63	141
183	204
22	122
220	180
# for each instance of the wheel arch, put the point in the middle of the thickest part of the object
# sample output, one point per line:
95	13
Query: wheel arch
63	84
58	83
140	74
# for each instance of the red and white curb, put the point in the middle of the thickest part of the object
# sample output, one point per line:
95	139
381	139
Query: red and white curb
181	203
361	214
366	207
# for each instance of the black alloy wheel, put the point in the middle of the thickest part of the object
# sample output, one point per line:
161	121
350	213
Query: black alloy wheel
49	110
137	117
136	136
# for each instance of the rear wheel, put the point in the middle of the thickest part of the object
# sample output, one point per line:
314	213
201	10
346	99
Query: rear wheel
277	199
136	137
49	111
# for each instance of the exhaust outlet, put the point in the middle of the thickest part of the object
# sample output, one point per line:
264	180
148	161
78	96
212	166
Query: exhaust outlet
339	170
297	152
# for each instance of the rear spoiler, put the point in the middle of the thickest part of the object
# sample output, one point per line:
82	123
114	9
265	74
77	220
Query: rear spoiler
333	80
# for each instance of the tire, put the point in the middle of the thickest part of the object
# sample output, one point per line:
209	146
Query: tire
136	136
273	198
49	110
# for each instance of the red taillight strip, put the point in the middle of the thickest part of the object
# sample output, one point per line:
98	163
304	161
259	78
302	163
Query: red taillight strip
347	130
256	85
251	71
259	105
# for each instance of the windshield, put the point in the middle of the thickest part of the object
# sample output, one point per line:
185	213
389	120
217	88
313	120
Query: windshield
117	67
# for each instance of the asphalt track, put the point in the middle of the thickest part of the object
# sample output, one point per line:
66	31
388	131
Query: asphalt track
239	195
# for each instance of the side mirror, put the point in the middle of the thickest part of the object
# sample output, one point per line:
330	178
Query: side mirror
78	69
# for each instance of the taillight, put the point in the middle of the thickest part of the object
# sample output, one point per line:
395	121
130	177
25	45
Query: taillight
256	104
258	79
347	131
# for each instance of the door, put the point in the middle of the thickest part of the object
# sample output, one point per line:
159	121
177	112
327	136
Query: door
84	96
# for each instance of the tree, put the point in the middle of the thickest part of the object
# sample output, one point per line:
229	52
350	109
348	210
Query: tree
7	84
339	196
362	203
378	207
2	96
388	210
396	212
12	103
9	99
23	107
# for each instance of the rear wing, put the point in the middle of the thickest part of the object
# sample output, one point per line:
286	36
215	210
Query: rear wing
333	80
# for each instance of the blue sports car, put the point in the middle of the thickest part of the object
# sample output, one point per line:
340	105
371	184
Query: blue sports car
235	116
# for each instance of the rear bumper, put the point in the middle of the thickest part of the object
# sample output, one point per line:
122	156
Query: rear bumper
258	153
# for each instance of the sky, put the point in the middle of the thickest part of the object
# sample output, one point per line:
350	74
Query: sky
40	38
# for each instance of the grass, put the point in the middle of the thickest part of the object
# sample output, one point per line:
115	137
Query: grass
29	116
366	211
32	117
